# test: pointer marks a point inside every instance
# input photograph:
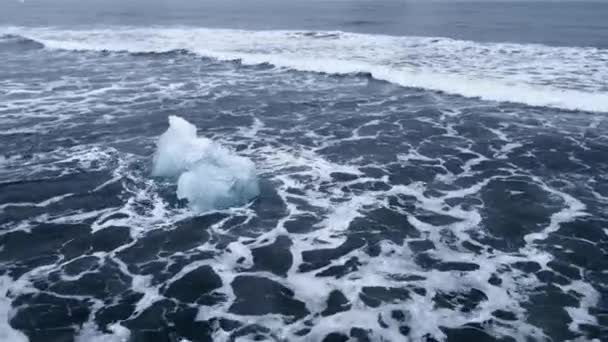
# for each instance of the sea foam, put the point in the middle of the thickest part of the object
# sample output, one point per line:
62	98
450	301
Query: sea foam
208	175
572	78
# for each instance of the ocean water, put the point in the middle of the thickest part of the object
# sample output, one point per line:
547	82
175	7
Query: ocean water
424	171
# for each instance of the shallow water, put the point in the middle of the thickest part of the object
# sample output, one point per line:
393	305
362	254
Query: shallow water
436	185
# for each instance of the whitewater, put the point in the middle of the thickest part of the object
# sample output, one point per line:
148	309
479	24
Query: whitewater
571	78
365	171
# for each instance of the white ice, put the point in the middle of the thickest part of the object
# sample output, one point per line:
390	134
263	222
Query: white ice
208	175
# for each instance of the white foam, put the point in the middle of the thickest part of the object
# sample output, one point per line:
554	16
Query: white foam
88	333
290	166
41	204
208	175
7	333
580	316
142	284
573	209
562	77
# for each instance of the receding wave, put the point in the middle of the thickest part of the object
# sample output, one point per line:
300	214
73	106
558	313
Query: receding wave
572	78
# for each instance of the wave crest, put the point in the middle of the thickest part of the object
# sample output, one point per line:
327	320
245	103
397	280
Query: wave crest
572	78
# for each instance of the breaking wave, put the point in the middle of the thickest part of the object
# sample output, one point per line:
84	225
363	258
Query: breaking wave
571	78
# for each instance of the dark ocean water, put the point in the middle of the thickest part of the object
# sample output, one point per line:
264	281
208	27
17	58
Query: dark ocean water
427	171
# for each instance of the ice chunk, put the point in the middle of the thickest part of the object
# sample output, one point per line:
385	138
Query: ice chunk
208	175
178	149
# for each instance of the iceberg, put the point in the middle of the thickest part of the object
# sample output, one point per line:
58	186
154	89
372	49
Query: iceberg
209	175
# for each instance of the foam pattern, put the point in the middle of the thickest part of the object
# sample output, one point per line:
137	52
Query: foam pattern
384	212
